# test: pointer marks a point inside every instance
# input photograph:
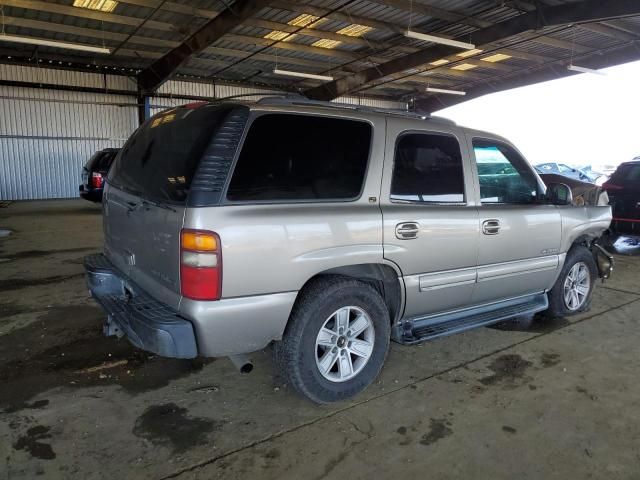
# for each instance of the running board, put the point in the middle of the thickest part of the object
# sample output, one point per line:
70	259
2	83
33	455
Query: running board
422	329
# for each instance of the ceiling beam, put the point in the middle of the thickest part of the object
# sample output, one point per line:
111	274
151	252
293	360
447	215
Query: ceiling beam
435	12
597	60
158	72
585	11
610	31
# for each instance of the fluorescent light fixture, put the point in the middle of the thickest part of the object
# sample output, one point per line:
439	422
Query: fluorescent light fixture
437	63
444	90
464	66
326	43
289	73
99	5
354	30
305	20
498	57
52	43
280	35
468	53
433	38
576	68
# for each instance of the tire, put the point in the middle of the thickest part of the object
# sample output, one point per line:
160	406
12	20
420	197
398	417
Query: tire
579	259
303	351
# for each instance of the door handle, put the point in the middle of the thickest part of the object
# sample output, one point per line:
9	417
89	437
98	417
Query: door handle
491	227
407	230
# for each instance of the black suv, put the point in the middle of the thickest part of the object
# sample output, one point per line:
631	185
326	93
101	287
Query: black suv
624	195
94	174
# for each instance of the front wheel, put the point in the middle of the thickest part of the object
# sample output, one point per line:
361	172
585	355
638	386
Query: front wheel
336	340
573	289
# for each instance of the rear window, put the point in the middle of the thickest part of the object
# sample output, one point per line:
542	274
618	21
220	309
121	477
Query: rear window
627	173
101	160
158	162
288	157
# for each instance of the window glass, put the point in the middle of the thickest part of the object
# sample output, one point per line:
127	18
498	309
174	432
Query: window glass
627	174
158	162
504	175
301	157
564	168
428	168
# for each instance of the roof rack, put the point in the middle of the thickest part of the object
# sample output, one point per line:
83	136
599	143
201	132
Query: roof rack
299	100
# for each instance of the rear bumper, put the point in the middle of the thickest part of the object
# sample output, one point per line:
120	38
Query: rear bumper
147	323
93	195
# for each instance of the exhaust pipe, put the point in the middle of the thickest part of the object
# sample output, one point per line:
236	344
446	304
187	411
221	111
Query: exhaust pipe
242	363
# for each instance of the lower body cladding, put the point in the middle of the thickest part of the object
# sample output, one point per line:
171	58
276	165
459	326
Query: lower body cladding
229	327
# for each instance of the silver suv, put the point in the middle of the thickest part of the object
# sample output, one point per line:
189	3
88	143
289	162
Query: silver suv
330	230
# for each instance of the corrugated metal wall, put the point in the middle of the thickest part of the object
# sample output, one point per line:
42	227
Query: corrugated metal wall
47	135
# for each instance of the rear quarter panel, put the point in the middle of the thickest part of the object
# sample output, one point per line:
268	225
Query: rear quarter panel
277	247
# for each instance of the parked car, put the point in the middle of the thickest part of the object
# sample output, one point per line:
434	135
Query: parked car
583	193
624	195
94	174
566	171
330	230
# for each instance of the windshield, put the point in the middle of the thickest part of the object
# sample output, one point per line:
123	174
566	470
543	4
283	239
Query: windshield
159	161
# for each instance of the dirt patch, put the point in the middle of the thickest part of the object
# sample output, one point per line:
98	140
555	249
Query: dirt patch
45	253
438	429
37	405
508	429
507	370
10	309
63	347
32	443
549	360
20	283
535	324
169	425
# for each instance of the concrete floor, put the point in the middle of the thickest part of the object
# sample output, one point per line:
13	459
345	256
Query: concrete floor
526	399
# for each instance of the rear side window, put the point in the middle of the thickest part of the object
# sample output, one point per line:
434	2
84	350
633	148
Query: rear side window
428	168
627	173
287	157
158	162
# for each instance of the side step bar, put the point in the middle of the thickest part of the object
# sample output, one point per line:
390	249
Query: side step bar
422	329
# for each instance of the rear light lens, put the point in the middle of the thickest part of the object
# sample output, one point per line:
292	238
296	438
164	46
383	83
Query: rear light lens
97	180
200	265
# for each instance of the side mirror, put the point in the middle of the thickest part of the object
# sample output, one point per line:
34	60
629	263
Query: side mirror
559	194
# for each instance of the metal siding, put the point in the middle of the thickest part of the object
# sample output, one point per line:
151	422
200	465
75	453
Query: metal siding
46	136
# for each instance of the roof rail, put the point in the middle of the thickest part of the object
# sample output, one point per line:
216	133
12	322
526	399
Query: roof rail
303	101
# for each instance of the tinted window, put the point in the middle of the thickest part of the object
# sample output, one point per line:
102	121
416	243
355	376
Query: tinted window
298	157
627	173
103	160
428	168
160	159
505	177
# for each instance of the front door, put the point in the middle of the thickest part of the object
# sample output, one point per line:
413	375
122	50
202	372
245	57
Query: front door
429	216
519	235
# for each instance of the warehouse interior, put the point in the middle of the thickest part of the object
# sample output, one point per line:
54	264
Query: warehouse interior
528	398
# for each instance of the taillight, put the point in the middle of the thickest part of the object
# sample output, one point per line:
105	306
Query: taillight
96	180
200	265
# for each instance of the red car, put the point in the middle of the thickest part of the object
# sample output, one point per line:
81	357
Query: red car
623	189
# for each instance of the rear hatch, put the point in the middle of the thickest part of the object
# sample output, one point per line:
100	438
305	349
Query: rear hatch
146	196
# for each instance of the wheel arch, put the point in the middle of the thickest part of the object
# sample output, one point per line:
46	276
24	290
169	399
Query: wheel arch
383	277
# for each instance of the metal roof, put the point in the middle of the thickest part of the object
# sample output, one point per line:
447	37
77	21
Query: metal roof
141	31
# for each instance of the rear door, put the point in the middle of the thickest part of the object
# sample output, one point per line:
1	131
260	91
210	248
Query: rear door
146	196
520	237
430	220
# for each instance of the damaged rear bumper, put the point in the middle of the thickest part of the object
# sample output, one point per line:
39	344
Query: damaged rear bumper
147	323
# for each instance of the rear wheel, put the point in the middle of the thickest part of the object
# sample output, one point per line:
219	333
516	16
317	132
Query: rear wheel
573	289
336	340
